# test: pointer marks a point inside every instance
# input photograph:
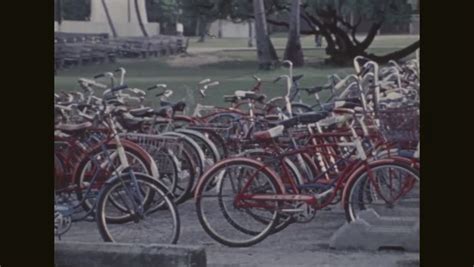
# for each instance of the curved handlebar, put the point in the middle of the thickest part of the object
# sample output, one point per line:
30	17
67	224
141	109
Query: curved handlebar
290	68
214	83
205	81
159	85
109	74
122	74
88	82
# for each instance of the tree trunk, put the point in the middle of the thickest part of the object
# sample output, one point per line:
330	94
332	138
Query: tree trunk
140	19
267	57
395	55
198	24
250	42
219	30
293	51
342	46
59	7
202	30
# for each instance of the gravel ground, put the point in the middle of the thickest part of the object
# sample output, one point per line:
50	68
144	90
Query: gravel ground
298	245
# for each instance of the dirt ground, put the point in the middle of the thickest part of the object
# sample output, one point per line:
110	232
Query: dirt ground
298	245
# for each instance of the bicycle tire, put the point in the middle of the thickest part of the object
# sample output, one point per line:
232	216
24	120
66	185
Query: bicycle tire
156	189
357	183
201	190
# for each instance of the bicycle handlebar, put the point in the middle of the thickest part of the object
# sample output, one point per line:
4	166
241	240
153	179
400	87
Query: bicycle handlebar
256	87
290	68
88	82
110	74
204	81
122	74
166	93
202	90
159	85
214	83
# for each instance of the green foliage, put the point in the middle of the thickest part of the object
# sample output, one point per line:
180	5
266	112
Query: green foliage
390	11
162	11
75	9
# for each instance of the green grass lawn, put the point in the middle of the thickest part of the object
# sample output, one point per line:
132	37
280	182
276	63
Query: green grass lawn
234	70
279	41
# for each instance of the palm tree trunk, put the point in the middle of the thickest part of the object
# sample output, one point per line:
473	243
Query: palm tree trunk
266	53
293	51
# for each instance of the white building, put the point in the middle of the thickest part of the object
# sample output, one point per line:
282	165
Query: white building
116	17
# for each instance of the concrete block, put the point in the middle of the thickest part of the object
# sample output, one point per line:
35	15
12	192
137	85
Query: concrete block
373	218
74	254
398	211
370	231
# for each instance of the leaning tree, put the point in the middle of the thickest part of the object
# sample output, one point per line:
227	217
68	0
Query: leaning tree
338	22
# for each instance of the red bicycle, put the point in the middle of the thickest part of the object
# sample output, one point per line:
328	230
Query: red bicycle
252	199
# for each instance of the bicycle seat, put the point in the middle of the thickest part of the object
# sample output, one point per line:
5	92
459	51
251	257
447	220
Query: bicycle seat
141	112
304	118
73	128
342	105
250	95
269	134
230	98
177	106
164	111
297	77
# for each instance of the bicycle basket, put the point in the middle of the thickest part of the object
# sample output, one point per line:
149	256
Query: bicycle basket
400	124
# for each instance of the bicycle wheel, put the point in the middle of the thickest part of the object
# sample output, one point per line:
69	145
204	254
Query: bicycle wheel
197	162
269	160
218	212
96	164
59	173
142	221
207	146
388	188
217	139
186	173
167	165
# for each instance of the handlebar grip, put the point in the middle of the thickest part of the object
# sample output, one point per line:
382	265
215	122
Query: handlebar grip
118	88
160	94
213	84
119	69
99	76
160	85
205	81
287	62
